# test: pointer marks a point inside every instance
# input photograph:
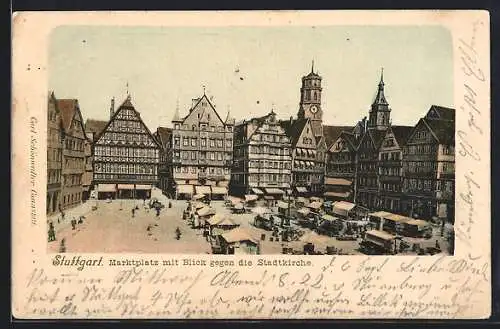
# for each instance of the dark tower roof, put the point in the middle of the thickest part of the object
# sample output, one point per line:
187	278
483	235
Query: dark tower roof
380	98
312	74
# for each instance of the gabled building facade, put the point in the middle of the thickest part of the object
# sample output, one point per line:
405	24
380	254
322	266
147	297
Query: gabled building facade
92	129
341	168
429	166
202	151
54	156
126	156
262	158
73	155
390	168
164	137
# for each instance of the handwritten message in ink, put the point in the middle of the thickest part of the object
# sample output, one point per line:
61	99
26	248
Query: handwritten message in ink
446	287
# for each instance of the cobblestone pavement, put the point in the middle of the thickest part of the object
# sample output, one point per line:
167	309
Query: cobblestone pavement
111	229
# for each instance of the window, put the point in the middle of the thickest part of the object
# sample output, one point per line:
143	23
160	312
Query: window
185	155
193	170
212	155
212	142
185	141
176	126
219	156
219	143
193	141
203	142
193	155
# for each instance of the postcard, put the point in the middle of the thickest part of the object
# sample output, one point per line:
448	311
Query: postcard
251	165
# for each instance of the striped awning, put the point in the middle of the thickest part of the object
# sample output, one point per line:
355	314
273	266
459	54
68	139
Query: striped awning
106	188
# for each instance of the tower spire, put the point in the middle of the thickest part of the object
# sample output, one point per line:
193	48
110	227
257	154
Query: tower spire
380	98
312	66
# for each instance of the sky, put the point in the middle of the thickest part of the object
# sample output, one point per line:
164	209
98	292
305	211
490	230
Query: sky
250	70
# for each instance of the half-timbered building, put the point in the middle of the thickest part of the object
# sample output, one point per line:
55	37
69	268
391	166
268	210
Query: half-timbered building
429	166
126	156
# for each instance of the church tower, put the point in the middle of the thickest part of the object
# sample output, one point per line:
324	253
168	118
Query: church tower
380	113
310	101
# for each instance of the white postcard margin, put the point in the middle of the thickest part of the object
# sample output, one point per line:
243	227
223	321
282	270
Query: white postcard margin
329	287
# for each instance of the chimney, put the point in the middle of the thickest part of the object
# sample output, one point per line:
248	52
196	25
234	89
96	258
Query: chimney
112	108
291	120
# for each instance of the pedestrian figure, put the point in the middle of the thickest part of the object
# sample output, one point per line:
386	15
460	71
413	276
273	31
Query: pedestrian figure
62	246
80	220
73	224
177	233
170	204
437	245
62	215
52	233
133	212
157	212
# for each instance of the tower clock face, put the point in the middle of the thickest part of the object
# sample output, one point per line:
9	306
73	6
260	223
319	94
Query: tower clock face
314	109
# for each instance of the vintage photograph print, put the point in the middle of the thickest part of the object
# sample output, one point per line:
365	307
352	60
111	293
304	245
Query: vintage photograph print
316	140
255	165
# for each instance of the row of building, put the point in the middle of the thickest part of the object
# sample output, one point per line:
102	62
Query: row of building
402	169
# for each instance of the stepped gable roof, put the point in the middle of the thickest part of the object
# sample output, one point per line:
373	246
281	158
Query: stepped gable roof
401	133
163	135
444	130
67	108
331	133
95	126
443	113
